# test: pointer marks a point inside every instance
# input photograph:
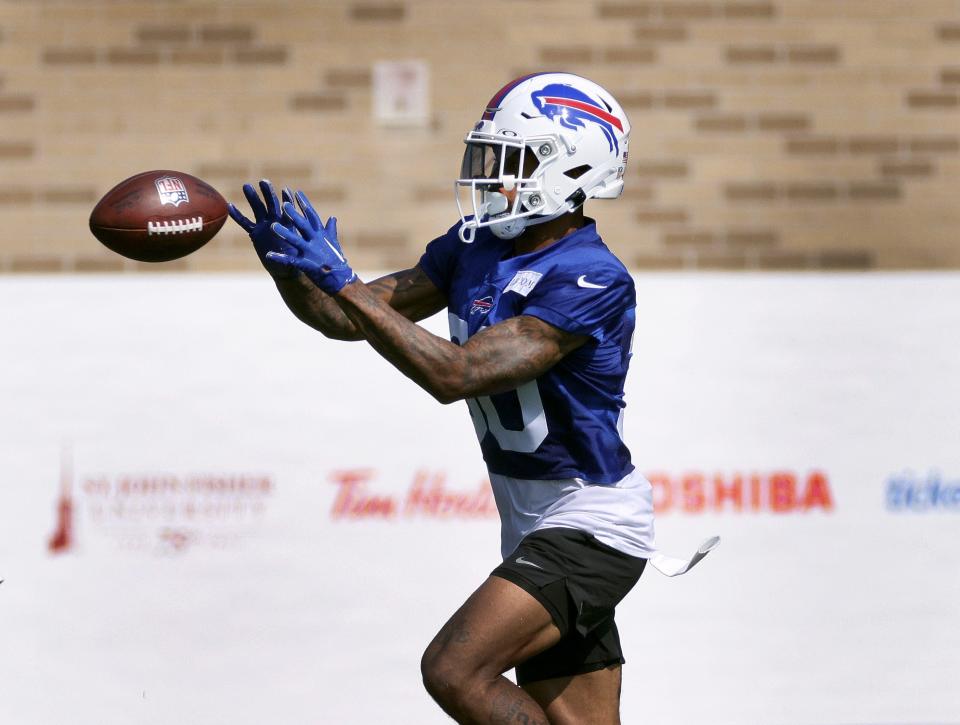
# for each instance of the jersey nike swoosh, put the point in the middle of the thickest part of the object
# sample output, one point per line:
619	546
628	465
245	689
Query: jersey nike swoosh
582	282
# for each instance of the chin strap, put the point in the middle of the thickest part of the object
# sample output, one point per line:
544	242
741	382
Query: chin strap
510	229
513	228
571	203
576	199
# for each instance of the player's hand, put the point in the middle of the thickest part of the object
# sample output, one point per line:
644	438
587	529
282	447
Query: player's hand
266	213
321	258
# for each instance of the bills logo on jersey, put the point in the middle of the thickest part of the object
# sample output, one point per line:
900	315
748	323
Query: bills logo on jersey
574	109
171	190
481	306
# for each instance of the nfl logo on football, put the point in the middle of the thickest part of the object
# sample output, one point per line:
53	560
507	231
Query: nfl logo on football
171	190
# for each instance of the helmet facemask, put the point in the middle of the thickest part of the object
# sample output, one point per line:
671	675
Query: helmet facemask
494	169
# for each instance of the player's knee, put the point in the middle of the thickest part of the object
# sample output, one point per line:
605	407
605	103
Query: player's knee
445	677
438	671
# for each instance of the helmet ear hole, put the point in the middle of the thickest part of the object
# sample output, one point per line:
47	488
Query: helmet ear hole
577	171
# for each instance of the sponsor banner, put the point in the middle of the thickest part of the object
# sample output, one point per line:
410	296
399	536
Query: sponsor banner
430	494
779	491
173	513
161	512
166	512
908	492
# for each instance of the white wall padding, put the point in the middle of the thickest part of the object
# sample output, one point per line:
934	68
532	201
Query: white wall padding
255	524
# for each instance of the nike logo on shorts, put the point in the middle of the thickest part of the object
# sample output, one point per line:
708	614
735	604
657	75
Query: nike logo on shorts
521	560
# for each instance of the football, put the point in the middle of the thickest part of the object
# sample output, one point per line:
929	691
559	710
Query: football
158	216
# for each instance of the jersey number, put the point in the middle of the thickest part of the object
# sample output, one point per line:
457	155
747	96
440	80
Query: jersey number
486	418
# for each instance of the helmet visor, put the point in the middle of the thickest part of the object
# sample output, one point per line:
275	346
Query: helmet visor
496	160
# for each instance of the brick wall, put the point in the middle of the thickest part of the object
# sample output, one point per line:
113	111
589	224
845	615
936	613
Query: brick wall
767	134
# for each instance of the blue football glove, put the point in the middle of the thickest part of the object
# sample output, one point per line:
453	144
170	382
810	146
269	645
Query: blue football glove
320	258
265	215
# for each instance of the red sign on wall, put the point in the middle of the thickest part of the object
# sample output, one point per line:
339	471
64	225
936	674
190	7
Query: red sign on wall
777	491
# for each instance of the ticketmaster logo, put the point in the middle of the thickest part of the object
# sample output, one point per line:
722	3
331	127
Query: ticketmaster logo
909	491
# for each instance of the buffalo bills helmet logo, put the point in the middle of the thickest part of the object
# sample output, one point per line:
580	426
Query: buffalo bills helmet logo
574	109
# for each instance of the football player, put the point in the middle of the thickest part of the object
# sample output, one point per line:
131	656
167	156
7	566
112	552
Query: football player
541	321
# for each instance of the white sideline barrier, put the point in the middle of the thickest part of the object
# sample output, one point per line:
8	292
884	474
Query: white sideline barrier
267	526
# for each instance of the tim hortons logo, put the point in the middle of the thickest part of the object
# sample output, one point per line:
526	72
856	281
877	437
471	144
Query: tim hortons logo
159	512
427	496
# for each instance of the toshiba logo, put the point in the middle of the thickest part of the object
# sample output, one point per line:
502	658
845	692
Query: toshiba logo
776	491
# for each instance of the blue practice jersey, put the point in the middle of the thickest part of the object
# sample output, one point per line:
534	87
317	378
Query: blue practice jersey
567	423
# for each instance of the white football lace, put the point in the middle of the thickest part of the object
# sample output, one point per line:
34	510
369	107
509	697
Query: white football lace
175	226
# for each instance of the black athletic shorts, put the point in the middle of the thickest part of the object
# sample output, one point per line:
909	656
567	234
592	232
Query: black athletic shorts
579	581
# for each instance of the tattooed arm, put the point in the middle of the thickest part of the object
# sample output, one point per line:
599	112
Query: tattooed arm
410	293
495	360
